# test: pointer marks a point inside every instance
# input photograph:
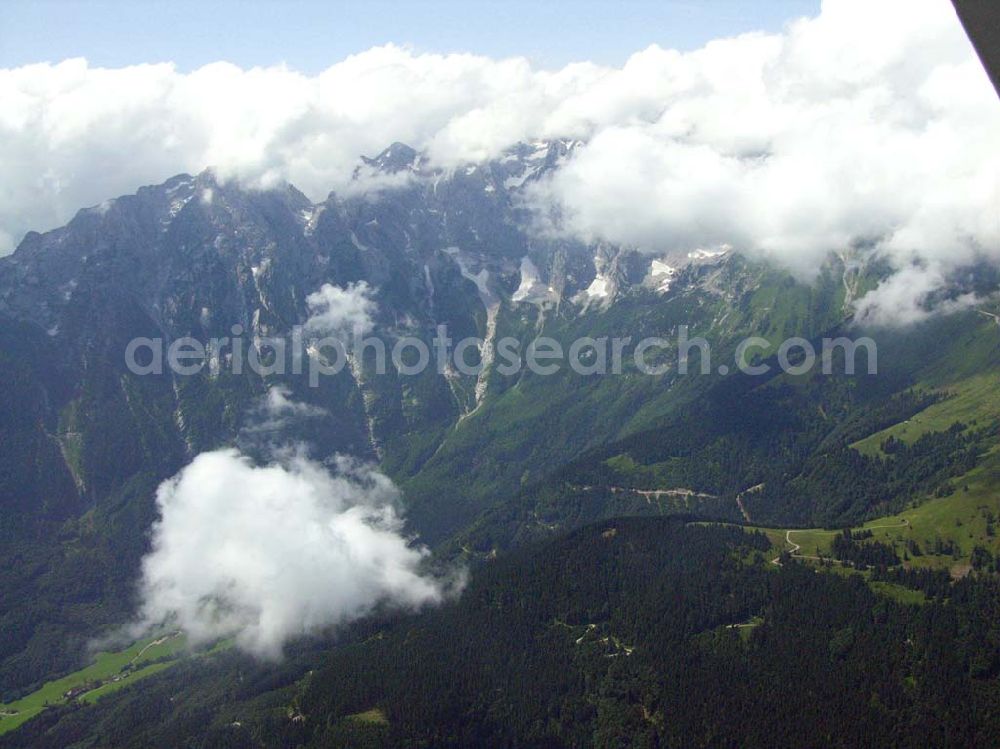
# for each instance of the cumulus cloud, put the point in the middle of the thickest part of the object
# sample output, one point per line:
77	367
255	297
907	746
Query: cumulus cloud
265	553
340	311
872	123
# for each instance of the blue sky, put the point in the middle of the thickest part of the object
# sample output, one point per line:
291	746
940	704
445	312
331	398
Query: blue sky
310	35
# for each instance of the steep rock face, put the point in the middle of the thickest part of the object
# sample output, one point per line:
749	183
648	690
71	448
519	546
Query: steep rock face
195	256
194	244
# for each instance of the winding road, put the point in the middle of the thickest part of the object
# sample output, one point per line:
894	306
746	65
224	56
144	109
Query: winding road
154	643
794	547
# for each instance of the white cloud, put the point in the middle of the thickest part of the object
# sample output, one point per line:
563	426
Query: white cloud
872	121
268	553
276	411
907	297
339	311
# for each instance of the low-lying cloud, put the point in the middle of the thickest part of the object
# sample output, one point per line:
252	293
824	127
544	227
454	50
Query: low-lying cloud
871	125
341	310
266	553
908	296
277	411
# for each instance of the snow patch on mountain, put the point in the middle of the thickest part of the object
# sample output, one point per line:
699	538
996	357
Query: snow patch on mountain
532	289
705	254
661	275
600	288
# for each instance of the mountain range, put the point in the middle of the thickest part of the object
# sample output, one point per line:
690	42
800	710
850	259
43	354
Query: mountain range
534	483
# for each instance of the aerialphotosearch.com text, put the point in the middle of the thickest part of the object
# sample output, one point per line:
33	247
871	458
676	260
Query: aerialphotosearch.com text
317	357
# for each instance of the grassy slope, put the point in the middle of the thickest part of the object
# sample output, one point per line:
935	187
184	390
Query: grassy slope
971	385
975	399
968	378
960	517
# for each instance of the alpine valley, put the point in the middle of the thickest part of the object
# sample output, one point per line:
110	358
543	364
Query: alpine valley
653	559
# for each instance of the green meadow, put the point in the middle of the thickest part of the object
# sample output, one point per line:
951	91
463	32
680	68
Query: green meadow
108	672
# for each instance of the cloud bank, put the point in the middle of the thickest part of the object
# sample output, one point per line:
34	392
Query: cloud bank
266	553
871	125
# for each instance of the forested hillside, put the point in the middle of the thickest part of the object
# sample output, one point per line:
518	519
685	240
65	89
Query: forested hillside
631	632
